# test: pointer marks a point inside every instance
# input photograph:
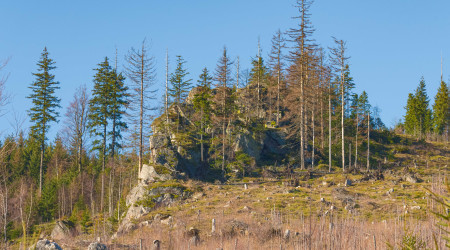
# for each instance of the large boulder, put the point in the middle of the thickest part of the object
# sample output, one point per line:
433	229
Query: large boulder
63	230
246	143
148	174
45	245
97	246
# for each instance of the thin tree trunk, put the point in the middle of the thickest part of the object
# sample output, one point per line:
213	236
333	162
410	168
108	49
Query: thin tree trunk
321	121
356	140
329	131
302	122
201	135
110	207
368	141
40	169
103	168
167	92
141	113
313	137
349	156
342	119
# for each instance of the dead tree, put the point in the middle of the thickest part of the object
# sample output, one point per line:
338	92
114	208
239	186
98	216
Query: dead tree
140	69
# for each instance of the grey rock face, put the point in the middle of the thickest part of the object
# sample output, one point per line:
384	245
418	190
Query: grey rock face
411	178
62	230
348	183
247	144
97	246
148	175
46	245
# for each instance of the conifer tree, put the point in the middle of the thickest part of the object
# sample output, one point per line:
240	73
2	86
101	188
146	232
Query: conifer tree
258	87
202	104
180	86
45	105
418	116
100	110
441	110
118	99
410	116
223	97
277	64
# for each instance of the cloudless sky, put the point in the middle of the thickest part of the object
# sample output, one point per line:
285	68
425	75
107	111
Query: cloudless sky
391	43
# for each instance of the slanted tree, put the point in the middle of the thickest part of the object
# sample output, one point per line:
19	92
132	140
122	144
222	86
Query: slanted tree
45	105
441	110
180	86
141	71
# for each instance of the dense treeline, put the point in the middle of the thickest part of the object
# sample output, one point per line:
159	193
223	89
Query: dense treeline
423	122
83	175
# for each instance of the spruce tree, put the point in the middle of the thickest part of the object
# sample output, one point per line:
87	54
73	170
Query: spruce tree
202	105
441	110
100	110
410	116
223	97
45	105
421	122
118	99
180	86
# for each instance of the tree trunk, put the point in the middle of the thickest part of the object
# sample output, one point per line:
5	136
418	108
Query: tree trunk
329	131
103	168
368	141
342	119
356	140
313	137
201	135
40	168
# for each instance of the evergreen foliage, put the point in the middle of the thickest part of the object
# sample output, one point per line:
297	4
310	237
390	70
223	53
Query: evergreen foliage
441	110
45	104
418	120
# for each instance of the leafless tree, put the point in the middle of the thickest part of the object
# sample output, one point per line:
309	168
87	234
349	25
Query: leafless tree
4	97
25	207
299	56
140	69
77	120
338	61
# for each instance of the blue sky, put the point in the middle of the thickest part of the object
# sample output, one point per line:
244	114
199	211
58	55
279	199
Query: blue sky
391	43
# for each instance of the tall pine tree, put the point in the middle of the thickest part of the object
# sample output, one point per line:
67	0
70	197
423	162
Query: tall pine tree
45	105
202	104
180	87
441	110
418	120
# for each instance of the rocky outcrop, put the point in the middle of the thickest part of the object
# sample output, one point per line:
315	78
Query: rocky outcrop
148	174
153	190
97	246
63	230
45	245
